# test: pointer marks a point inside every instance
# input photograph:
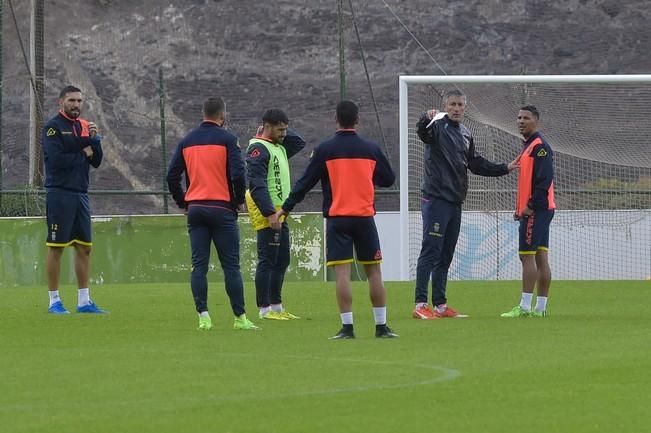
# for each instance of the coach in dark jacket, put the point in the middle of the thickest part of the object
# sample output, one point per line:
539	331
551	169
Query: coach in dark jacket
449	154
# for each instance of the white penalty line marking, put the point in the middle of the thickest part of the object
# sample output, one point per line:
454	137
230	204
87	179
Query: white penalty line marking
447	374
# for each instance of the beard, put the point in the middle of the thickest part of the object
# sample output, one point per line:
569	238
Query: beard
73	114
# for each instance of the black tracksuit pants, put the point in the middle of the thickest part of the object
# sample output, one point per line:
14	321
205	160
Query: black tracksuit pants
273	260
441	225
215	225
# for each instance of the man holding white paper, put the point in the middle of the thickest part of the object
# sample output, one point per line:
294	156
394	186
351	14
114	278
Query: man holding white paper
449	154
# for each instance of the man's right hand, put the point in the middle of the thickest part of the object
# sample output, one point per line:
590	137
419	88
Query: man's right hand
514	165
434	115
282	215
88	151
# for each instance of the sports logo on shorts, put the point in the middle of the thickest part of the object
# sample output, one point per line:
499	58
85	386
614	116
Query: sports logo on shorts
378	255
50	132
528	237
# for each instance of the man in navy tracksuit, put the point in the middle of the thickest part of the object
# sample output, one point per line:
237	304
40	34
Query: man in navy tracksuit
70	147
212	162
449	154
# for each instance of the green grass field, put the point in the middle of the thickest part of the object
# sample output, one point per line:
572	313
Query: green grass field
145	367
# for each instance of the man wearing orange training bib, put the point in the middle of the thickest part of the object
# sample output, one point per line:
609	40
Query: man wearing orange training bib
535	210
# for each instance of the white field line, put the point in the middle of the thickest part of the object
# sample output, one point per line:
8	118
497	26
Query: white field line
445	375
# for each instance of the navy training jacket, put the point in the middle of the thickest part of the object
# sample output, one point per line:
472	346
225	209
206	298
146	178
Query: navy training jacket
66	165
449	154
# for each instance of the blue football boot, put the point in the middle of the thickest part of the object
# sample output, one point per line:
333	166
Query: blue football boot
91	308
57	308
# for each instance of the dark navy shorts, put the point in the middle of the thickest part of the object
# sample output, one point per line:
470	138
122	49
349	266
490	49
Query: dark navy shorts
342	233
534	232
68	219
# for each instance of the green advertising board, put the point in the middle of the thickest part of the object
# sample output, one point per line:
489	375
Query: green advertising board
134	249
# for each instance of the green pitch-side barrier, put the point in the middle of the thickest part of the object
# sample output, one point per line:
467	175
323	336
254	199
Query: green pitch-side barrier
133	249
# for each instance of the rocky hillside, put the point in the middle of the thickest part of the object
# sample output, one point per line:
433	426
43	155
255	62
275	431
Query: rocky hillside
284	54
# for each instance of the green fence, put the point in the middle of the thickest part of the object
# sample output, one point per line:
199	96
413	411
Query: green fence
135	249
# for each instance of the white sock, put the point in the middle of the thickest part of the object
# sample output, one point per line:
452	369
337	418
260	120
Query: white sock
441	308
421	304
278	308
204	314
54	296
541	303
264	310
380	315
83	297
346	318
525	301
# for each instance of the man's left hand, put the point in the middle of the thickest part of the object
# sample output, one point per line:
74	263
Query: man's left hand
92	129
274	223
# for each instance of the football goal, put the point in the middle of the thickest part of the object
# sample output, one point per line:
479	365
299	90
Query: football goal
599	129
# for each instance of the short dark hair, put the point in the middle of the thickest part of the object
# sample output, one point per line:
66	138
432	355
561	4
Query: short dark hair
213	106
347	114
275	116
532	109
453	92
68	89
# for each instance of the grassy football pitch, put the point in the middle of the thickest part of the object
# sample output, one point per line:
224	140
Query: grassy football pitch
145	367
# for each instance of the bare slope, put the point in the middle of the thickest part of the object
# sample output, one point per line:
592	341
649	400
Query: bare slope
284	53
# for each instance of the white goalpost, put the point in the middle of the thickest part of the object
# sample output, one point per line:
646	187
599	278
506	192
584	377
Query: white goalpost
599	129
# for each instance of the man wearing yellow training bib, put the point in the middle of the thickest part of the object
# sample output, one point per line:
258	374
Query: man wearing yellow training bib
269	185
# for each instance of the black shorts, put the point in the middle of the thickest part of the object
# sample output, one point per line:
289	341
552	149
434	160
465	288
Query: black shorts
342	233
68	219
534	232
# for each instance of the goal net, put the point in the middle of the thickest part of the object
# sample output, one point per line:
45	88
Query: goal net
599	129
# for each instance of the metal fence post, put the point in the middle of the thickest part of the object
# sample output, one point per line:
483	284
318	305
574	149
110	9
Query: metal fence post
342	57
161	94
2	14
37	70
